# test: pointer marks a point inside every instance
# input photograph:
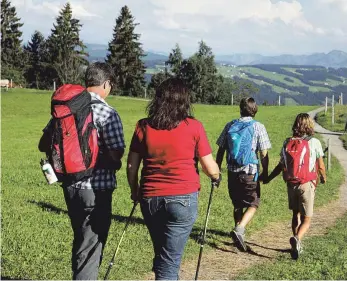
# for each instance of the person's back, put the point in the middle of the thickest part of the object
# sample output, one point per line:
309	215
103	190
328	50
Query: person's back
243	139
170	157
301	168
169	142
89	200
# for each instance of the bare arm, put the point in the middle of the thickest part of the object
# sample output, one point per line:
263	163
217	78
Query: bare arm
220	156
264	159
321	170
209	166
133	165
278	169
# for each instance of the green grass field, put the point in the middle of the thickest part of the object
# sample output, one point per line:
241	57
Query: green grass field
324	258
340	121
36	232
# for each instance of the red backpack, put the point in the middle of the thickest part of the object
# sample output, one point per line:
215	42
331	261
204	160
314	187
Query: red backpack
296	154
74	147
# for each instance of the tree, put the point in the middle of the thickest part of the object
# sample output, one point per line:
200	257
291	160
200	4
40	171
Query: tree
12	56
175	60
37	52
125	53
156	80
66	52
200	72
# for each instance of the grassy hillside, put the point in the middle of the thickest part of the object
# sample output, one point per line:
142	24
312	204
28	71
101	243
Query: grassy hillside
307	85
36	232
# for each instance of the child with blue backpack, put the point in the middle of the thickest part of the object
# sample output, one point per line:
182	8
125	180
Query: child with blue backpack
243	139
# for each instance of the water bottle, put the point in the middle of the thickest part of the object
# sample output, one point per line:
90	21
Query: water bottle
48	171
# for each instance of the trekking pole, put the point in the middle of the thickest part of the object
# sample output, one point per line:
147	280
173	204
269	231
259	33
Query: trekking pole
120	241
204	232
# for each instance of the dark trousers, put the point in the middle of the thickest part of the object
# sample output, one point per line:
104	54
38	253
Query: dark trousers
169	220
90	215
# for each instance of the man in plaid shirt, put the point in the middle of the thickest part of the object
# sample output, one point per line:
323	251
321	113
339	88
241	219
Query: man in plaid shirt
243	181
89	201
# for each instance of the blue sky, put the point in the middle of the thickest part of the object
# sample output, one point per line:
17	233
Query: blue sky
228	26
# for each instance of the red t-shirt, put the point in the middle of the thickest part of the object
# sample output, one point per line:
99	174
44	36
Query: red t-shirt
170	157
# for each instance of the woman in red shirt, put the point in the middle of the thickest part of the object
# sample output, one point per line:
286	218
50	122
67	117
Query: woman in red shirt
170	143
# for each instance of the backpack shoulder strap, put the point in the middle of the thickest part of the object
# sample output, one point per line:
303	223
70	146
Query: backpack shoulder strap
96	102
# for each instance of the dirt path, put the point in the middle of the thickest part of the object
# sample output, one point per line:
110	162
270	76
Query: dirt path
266	244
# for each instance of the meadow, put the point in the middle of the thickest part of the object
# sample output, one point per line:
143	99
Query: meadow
36	232
324	258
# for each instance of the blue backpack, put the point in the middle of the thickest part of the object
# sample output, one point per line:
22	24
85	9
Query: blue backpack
240	136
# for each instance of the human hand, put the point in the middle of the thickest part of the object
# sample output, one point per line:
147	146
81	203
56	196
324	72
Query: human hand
323	180
264	178
135	195
216	182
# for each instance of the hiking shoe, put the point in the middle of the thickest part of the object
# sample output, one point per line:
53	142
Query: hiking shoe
238	239
296	247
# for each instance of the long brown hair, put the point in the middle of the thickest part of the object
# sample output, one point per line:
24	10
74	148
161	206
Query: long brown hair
303	125
170	106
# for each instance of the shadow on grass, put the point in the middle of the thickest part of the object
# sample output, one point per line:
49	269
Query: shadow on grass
268	248
196	233
51	208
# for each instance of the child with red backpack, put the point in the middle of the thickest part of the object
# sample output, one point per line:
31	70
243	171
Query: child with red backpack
301	163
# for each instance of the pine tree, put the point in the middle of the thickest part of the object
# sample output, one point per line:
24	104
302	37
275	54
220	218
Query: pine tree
36	50
125	53
12	56
175	60
66	50
200	72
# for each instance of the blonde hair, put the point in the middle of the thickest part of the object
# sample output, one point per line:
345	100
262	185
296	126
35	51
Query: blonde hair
303	125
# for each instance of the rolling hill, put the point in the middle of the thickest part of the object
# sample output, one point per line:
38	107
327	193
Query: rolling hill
307	85
305	79
334	59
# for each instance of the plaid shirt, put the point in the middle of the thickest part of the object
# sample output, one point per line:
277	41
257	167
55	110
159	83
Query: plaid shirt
260	142
110	133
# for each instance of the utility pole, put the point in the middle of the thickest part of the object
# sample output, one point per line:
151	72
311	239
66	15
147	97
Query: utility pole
326	105
333	111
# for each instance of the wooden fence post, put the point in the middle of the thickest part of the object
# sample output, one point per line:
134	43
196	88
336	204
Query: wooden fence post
326	105
329	154
332	111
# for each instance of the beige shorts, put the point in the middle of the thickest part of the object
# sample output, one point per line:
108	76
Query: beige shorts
301	198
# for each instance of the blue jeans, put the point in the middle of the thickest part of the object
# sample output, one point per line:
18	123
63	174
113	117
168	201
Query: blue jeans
169	220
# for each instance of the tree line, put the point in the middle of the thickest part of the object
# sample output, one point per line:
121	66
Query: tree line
62	57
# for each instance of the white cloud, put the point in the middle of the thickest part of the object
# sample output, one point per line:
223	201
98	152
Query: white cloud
52	8
291	13
228	26
342	4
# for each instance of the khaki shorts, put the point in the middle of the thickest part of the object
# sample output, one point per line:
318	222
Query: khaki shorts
301	198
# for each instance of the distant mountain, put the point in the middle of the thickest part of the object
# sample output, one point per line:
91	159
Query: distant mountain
98	52
333	59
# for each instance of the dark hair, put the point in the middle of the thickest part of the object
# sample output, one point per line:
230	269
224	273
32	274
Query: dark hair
97	73
248	107
303	125
170	105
